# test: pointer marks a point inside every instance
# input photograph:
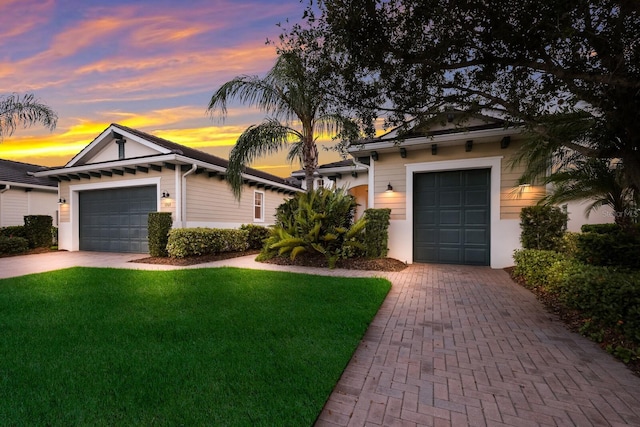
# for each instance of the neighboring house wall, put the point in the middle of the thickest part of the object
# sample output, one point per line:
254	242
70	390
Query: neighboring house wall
16	202
210	203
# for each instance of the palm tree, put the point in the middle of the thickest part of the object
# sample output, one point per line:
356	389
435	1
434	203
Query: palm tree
291	95
598	181
25	111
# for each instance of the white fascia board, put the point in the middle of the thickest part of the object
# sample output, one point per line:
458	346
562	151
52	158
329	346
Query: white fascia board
106	165
444	140
34	186
205	165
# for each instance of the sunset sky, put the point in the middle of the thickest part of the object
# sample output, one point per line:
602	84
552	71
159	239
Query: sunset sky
148	64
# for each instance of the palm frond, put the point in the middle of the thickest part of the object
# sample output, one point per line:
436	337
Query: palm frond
256	141
26	111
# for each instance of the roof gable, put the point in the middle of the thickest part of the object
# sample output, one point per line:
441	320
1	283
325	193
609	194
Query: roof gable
106	146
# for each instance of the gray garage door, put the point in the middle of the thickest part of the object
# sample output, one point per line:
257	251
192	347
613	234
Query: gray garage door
451	217
115	220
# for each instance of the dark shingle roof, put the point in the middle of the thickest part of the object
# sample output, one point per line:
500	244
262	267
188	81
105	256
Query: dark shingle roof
340	164
17	172
197	154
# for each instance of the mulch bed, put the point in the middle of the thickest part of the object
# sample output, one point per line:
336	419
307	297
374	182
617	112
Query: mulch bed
574	320
194	259
305	260
30	252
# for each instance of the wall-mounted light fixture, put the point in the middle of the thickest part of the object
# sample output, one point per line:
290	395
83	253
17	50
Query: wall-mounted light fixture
434	149
374	155
468	145
165	195
403	152
61	201
389	188
504	143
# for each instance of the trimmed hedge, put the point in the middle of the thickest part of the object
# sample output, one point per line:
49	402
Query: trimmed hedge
38	230
542	227
376	232
532	265
257	234
159	225
13	245
185	242
611	249
607	298
13	231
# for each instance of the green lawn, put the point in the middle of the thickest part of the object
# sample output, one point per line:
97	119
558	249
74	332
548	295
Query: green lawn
86	346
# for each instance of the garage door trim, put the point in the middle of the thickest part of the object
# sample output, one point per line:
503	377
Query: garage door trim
492	163
75	200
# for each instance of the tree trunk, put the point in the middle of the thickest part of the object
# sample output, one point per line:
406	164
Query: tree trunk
309	157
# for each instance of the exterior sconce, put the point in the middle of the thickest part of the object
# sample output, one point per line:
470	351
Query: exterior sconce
61	201
403	152
389	188
505	142
468	145
165	195
434	149
374	155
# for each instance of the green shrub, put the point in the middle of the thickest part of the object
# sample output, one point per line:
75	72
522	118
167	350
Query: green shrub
159	224
569	244
606	298
376	233
542	227
38	230
13	231
319	221
616	248
532	265
13	245
185	242
600	228
257	234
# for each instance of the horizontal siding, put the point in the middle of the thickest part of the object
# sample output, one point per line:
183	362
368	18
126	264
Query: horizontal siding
15	205
391	168
211	200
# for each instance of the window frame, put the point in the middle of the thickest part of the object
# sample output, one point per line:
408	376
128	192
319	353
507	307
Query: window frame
260	206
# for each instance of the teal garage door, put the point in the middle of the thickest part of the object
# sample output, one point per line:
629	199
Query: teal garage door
451	217
115	220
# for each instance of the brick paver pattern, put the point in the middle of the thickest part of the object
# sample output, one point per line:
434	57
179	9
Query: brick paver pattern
457	346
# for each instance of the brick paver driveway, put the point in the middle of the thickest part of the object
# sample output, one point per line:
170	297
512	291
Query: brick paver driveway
458	346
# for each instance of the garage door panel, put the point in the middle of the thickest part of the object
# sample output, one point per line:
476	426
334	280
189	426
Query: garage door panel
452	218
476	217
451	198
449	255
115	220
450	236
475	198
472	237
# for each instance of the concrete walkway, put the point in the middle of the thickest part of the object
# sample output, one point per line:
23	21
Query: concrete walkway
450	346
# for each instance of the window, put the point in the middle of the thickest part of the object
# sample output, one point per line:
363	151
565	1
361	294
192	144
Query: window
258	206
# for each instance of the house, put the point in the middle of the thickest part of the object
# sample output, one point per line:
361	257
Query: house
345	173
451	188
22	193
108	189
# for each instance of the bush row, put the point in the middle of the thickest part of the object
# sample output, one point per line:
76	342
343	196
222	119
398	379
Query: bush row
13	245
607	297
185	242
37	232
